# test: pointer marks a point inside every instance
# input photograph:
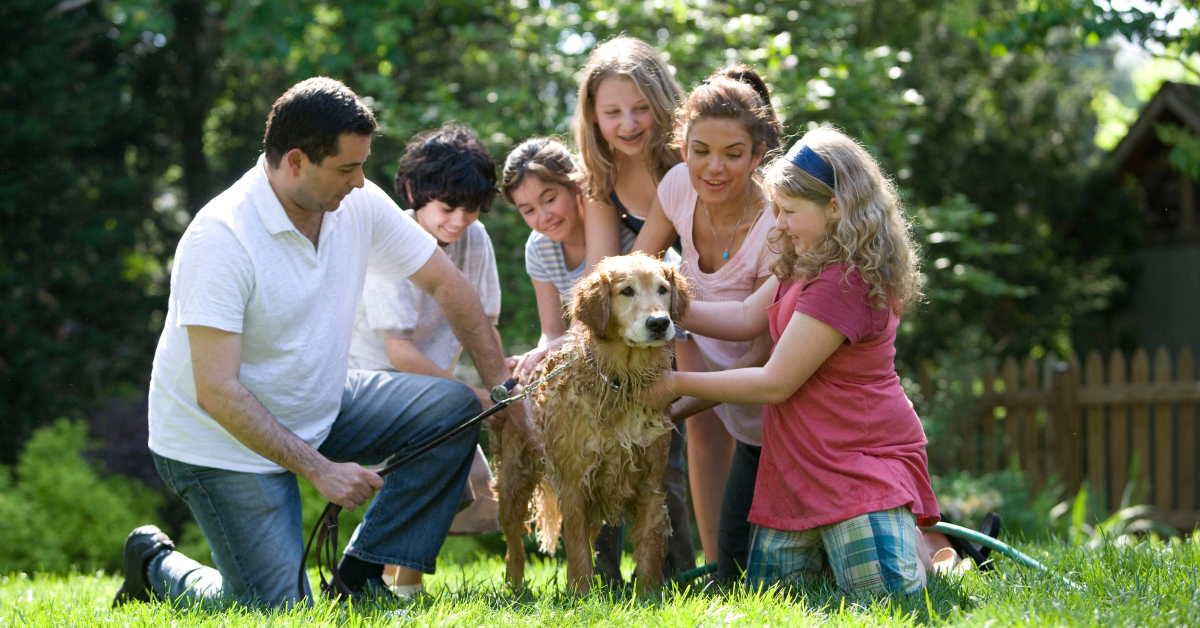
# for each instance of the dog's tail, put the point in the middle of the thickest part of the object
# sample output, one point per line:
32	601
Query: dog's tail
547	516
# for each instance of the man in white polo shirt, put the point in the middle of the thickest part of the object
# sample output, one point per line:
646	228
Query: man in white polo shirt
250	386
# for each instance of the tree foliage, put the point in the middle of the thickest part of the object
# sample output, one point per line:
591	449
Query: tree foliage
125	116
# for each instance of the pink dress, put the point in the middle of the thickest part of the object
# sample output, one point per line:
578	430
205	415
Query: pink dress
732	282
848	441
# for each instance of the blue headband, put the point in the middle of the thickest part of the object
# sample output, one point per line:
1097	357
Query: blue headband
809	161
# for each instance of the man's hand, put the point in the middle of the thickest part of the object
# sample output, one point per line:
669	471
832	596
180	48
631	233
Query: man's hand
662	393
346	484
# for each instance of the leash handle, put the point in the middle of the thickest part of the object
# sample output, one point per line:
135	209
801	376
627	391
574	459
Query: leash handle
500	392
324	536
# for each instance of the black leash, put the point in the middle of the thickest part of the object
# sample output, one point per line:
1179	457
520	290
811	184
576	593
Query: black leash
325	532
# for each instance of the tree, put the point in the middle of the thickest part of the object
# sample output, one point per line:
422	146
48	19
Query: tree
128	115
81	246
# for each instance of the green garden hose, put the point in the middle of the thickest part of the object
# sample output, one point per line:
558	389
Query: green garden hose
997	545
940	527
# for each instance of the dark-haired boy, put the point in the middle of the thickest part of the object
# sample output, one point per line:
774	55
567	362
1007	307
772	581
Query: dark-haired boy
250	385
449	178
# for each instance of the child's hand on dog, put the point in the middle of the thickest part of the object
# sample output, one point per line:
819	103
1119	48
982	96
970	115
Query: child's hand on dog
660	394
524	366
685	407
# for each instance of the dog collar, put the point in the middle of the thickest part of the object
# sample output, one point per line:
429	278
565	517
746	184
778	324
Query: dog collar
613	383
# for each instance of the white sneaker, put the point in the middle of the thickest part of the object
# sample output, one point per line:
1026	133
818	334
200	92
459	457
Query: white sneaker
406	591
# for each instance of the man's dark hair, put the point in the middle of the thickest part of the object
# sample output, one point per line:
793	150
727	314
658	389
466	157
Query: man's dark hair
447	164
311	115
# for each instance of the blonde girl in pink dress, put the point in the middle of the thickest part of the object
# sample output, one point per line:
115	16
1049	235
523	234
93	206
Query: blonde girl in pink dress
844	477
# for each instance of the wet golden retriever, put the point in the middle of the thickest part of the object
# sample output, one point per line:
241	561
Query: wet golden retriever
605	451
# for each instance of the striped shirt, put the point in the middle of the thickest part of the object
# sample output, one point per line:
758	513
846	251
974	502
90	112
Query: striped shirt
545	261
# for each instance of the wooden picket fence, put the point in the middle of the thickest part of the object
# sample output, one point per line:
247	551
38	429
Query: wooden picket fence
1110	423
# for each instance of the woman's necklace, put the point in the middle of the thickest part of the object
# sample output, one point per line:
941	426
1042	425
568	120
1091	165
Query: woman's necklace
732	236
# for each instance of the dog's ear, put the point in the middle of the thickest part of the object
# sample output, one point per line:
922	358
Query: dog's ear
590	304
680	297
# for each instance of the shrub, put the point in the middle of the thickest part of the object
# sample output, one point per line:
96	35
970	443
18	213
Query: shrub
60	513
967	498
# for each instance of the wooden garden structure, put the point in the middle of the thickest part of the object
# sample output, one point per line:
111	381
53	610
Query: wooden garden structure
1091	422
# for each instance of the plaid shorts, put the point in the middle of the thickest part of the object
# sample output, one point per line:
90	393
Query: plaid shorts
871	553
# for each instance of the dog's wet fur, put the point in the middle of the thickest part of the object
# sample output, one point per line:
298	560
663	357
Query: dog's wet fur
605	451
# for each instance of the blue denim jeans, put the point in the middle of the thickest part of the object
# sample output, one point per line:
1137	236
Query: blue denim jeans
252	520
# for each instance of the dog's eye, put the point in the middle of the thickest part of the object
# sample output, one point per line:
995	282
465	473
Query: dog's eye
627	291
663	290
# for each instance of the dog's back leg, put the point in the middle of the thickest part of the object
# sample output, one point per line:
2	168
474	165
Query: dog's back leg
519	473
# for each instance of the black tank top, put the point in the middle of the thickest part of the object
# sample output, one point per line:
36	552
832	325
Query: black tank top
634	223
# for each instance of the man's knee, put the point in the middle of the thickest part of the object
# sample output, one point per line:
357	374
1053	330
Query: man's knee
458	398
449	404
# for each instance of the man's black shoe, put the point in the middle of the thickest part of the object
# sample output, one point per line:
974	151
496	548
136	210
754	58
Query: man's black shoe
141	545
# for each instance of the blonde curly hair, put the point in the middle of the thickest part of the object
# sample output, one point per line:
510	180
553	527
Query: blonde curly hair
868	233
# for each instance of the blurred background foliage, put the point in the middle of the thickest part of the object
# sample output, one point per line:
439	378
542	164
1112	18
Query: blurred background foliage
123	117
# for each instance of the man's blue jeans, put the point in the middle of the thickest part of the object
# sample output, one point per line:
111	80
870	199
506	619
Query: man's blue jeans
252	521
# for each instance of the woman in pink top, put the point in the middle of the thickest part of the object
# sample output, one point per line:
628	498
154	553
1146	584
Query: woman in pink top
843	468
714	205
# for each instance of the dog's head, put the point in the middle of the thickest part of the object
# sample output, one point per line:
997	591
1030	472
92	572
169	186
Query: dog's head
632	298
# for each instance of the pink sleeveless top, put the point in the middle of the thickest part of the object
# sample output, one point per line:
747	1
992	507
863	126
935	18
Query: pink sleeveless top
732	282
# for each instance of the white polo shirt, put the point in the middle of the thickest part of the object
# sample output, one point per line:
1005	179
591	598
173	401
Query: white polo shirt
243	267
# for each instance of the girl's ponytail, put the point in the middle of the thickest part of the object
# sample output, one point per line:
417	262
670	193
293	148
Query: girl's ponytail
737	93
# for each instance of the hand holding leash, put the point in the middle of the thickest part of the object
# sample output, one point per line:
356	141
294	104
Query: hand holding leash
500	392
324	535
346	484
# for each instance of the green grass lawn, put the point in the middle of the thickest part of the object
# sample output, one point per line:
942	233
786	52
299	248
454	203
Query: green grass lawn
1148	583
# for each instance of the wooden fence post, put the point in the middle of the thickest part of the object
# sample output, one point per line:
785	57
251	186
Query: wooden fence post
1187	435
1012	424
992	445
1065	444
1118	432
1139	377
1096	455
1031	459
1165	458
973	443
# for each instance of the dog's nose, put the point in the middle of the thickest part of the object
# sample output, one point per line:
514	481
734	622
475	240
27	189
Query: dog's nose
658	324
